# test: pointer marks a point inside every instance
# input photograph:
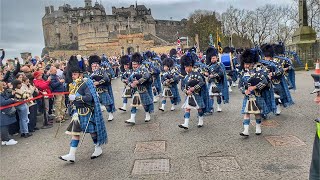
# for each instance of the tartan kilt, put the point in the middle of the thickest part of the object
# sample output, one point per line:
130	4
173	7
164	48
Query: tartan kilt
105	99
199	100
146	99
84	121
234	76
268	96
220	87
175	92
278	89
283	94
157	84
205	96
260	102
110	92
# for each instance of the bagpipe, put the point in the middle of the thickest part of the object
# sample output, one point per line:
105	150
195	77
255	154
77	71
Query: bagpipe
168	79
252	106
177	70
127	93
97	75
213	88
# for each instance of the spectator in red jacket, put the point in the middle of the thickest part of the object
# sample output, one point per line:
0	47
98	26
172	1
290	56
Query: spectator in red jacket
44	88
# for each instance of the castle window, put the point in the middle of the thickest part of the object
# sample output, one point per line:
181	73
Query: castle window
75	38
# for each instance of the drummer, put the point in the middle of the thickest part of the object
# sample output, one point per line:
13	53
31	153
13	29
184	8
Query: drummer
229	63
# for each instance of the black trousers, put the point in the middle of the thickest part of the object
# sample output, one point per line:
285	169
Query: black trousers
32	117
5	133
50	105
15	127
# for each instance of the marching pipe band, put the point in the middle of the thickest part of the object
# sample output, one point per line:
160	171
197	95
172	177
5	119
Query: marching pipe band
263	80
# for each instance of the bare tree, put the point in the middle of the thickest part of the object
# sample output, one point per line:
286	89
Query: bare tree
314	14
235	21
285	24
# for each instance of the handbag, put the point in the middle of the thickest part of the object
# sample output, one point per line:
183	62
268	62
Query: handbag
10	111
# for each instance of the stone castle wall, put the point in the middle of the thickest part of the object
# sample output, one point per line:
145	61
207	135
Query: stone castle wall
134	42
167	30
90	28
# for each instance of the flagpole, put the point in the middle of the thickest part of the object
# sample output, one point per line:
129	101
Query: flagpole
217	39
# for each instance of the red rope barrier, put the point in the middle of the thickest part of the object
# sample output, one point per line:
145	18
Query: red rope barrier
35	98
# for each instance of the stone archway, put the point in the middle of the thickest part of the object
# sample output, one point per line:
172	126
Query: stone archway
130	50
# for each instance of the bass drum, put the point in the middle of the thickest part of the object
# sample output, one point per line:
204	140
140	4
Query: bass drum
226	60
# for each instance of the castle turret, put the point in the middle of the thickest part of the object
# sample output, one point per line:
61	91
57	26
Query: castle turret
47	9
88	3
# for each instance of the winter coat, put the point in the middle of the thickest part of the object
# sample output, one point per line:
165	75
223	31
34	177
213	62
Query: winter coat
55	84
43	86
5	119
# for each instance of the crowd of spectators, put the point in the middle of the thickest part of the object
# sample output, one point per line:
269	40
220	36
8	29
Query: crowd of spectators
20	83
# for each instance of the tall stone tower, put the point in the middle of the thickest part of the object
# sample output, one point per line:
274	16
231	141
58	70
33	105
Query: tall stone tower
304	39
304	32
88	3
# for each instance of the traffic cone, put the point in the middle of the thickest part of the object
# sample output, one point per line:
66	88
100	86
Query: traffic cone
306	67
317	70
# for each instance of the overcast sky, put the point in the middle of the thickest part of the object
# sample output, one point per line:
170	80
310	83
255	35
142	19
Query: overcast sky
21	26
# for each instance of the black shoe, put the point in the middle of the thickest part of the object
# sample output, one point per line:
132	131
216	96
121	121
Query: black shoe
122	109
180	126
245	135
36	129
26	135
32	131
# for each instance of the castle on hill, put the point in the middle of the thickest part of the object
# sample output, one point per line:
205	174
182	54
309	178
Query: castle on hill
90	28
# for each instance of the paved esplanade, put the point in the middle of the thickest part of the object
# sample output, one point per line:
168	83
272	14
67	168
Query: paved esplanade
216	151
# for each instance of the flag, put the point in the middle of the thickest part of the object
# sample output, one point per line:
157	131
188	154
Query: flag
219	46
